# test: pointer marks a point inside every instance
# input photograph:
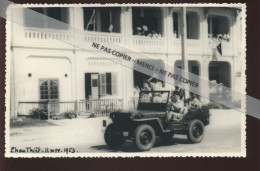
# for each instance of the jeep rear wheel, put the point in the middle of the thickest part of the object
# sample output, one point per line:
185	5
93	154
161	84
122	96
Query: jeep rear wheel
144	137
195	131
113	137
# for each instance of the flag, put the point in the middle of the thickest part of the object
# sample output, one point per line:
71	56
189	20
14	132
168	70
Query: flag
219	48
91	21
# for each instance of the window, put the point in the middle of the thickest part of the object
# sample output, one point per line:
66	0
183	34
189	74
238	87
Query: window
102	19
176	25
105	84
49	90
192	20
147	21
60	14
192	25
218	28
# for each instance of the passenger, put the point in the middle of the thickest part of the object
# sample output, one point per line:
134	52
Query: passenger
176	108
146	97
181	91
156	86
193	102
136	96
146	86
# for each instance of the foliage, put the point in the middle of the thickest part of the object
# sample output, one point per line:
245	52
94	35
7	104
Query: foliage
215	105
39	114
92	115
69	115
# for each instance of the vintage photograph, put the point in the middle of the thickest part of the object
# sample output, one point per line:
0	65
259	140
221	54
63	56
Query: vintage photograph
67	99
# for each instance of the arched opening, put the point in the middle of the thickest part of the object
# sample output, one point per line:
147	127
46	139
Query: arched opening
193	67
220	72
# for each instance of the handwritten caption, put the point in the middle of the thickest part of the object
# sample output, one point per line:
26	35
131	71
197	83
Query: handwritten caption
42	150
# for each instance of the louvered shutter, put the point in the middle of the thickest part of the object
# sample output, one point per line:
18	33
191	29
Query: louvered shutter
114	83
102	84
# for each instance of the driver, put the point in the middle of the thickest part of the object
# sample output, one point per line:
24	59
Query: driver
176	108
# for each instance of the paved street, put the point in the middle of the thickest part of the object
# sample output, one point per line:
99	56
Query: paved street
86	135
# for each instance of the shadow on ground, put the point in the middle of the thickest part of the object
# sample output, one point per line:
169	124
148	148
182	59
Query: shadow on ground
28	122
129	146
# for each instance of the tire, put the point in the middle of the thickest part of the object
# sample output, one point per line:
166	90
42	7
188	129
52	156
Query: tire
144	137
195	131
113	137
167	137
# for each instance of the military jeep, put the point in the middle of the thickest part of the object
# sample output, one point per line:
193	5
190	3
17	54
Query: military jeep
149	120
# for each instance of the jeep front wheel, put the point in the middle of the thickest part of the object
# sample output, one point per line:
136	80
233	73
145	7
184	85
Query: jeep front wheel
195	131
113	137
144	137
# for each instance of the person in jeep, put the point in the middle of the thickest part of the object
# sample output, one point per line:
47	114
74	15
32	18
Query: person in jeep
193	102
176	109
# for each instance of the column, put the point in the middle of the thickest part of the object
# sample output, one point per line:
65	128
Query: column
204	33
128	76
78	18
128	26
76	21
204	87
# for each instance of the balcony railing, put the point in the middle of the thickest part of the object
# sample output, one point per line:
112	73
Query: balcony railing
148	44
215	43
191	43
99	37
140	43
47	34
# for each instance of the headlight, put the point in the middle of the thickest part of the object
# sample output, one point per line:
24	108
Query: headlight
140	115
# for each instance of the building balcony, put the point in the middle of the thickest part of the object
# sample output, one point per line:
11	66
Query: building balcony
41	38
51	38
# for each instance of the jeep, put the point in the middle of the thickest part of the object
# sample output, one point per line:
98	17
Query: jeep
149	120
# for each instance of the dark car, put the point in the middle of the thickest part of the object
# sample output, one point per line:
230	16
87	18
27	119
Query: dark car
149	120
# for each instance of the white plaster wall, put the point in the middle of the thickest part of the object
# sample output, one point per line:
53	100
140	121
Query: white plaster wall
90	63
42	65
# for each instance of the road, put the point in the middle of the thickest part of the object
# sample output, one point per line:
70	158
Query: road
85	135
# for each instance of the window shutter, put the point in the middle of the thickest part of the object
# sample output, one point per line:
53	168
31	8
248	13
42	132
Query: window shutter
108	83
114	83
102	84
87	85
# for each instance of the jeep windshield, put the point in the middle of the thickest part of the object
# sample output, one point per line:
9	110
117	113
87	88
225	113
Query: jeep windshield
153	100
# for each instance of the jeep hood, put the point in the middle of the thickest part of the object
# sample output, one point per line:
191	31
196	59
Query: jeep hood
138	113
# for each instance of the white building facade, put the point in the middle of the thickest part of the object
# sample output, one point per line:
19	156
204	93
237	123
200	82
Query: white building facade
46	69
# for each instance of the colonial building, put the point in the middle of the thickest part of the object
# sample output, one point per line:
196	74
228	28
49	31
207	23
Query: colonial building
44	68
